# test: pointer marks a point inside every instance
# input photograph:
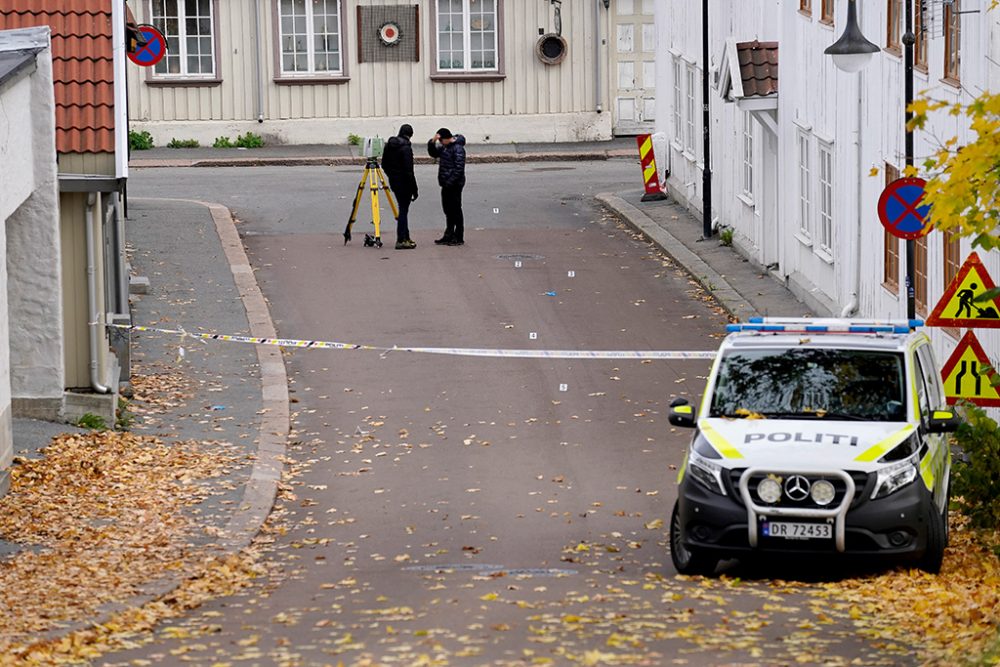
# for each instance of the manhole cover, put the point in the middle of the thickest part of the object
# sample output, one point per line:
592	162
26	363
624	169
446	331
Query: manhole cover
516	256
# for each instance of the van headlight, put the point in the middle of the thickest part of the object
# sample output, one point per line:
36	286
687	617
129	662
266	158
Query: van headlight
707	472
895	477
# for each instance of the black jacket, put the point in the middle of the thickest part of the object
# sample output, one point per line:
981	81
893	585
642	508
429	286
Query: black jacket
397	162
451	161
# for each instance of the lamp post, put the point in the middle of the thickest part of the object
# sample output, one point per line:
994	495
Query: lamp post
706	184
850	54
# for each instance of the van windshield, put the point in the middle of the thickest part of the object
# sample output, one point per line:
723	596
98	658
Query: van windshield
804	383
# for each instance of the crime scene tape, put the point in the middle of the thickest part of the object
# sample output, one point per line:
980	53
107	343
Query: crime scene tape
454	351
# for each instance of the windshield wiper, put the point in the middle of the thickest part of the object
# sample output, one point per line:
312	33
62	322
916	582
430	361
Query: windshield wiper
814	414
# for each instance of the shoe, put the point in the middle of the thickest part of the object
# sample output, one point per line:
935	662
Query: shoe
455	242
444	240
405	244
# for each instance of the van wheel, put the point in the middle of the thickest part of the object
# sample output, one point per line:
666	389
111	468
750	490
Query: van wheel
937	540
687	561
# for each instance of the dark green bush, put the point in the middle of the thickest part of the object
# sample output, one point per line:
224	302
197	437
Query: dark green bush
223	142
249	140
183	143
976	474
140	141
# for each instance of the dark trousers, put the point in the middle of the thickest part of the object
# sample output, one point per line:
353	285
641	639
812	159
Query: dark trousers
403	197
454	219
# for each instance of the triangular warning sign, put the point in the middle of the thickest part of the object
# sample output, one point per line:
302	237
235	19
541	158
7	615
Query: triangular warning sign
958	307
964	376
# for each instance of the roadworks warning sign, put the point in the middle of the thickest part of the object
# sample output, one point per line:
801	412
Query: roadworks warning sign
968	374
958	306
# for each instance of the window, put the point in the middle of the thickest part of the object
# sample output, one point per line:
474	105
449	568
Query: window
805	204
748	155
188	28
826	11
920	275
310	37
825	196
894	25
890	253
920	46
952	40
952	256
467	36
691	138
678	103
806	6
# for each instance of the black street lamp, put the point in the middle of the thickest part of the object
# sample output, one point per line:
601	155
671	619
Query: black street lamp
706	120
851	53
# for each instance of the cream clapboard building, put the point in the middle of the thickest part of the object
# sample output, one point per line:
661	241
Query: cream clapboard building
316	71
792	158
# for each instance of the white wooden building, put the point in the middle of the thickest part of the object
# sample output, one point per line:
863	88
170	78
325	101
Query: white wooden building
792	167
315	71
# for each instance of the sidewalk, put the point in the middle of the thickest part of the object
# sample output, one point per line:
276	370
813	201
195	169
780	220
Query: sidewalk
742	289
342	154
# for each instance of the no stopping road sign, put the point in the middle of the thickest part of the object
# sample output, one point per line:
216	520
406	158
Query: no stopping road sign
900	209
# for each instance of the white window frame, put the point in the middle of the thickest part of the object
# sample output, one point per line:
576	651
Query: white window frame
748	149
691	108
803	155
161	69
467	31
311	72
678	103
824	196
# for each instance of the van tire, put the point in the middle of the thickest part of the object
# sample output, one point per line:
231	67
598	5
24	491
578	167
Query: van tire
687	561
937	540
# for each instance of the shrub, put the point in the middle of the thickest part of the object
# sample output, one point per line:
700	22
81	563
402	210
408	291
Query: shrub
726	236
354	139
93	422
140	141
183	143
123	418
223	142
976	474
249	140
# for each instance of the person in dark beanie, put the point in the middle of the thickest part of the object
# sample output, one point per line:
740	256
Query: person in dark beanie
397	162
450	151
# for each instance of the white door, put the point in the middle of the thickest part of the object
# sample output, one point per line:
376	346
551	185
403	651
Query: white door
633	69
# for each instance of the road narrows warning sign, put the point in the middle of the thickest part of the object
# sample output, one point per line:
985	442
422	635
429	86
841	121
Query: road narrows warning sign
968	373
958	306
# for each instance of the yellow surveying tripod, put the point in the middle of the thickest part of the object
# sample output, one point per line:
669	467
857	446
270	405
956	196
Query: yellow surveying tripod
375	177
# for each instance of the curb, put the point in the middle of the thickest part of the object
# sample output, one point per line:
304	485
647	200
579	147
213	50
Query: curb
711	280
340	161
261	489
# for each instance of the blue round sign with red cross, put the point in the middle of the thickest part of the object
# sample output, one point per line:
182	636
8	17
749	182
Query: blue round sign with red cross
152	50
900	209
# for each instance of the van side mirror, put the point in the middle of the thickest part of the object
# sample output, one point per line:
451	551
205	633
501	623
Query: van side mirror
943	421
681	413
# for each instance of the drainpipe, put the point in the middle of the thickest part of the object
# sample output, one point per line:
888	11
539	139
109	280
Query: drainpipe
597	53
852	305
256	49
97	319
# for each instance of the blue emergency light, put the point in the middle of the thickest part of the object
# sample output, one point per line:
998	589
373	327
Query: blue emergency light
824	325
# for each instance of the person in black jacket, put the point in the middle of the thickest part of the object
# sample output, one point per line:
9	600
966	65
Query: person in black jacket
397	162
450	151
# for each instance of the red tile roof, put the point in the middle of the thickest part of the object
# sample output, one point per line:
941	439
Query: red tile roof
758	67
82	66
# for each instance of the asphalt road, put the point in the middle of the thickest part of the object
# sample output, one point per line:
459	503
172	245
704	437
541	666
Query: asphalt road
447	510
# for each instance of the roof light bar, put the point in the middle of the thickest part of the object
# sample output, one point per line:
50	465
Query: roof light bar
824	325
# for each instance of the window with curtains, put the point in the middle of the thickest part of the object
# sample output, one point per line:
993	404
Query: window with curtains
890	248
805	201
894	25
826	11
467	36
188	26
952	41
806	6
311	37
824	221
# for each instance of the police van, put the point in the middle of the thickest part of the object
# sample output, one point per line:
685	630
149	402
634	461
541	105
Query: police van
816	436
